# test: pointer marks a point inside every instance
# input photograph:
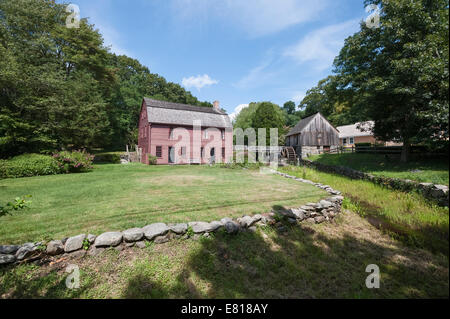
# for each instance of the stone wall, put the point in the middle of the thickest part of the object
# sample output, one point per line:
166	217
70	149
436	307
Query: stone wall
437	193
87	244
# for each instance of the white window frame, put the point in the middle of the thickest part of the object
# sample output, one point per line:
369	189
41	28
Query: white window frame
351	140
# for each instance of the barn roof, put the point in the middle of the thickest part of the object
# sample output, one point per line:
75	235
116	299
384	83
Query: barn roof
357	129
302	124
163	112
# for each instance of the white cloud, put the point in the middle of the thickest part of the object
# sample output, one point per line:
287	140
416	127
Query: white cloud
257	17
198	81
259	75
255	77
321	46
237	110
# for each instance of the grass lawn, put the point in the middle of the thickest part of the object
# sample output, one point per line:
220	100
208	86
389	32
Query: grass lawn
117	197
406	216
312	261
430	170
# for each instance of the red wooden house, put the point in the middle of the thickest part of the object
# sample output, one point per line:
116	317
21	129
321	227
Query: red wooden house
184	134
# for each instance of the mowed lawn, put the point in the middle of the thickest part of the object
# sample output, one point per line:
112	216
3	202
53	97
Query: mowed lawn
117	197
430	170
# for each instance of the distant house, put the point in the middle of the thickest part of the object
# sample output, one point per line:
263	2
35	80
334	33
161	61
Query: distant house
313	135
360	132
184	134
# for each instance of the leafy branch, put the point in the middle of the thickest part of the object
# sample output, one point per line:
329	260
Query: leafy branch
19	203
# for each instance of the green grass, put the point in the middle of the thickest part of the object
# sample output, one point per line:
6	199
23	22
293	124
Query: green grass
117	197
430	170
406	216
311	261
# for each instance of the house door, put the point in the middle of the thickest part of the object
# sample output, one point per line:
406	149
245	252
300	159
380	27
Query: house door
171	155
212	153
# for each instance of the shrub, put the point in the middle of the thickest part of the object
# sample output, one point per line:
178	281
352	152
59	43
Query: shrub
152	160
74	162
28	165
111	158
363	144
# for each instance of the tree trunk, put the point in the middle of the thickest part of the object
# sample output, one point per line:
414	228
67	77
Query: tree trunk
405	152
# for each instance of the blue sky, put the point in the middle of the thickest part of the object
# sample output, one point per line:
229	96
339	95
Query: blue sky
234	51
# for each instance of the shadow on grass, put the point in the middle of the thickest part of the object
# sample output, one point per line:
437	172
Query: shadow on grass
298	264
307	261
384	162
19	283
434	238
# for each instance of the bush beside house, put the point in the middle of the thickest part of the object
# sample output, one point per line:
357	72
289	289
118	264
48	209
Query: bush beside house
28	165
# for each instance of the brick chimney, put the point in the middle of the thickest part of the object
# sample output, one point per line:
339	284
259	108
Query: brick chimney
216	105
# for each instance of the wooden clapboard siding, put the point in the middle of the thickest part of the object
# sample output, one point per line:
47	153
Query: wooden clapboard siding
319	132
313	131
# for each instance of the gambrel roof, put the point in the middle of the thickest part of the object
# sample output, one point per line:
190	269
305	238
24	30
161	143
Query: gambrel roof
163	112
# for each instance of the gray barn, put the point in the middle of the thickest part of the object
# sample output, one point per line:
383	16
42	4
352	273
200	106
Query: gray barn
313	135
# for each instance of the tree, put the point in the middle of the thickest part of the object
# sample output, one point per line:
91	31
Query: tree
291	114
400	71
289	107
267	116
52	80
61	87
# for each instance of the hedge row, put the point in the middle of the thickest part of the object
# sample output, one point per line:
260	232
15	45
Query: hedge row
108	157
28	165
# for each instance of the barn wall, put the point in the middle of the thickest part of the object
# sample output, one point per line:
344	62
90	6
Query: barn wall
319	133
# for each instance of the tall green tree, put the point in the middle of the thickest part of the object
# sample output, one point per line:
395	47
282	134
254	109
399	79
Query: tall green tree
52	79
61	87
269	115
400	71
262	115
291	114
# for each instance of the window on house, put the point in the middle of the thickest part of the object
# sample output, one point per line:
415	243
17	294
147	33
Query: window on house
205	134
344	141
202	152
223	134
171	134
223	152
352	140
158	151
183	151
